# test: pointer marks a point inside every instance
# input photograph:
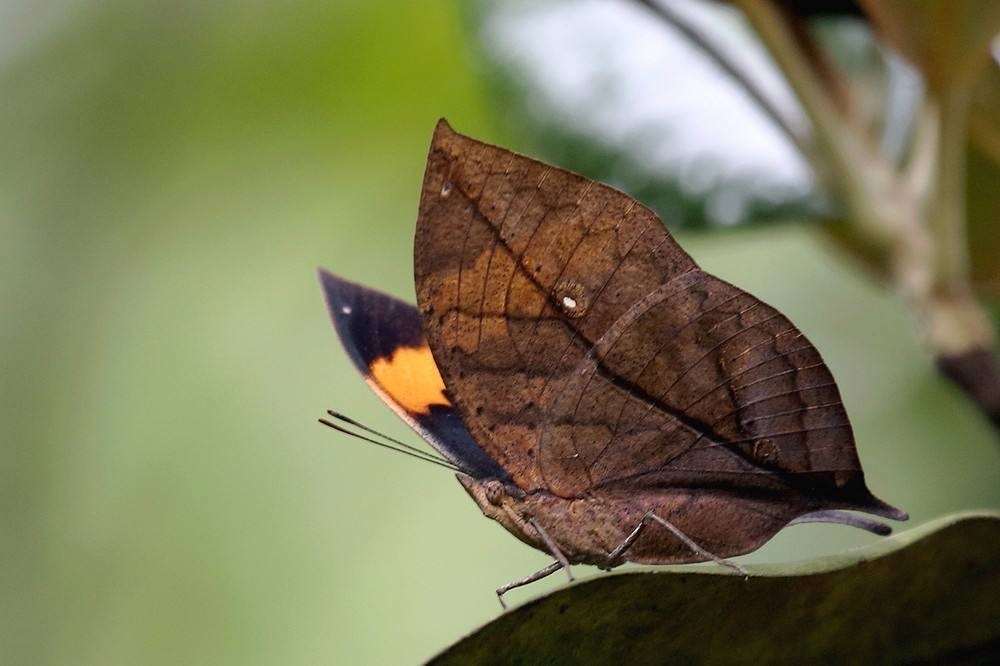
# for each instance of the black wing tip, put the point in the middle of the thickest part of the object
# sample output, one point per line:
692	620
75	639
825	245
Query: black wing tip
340	291
336	291
331	282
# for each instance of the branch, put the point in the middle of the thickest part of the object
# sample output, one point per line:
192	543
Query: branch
917	216
736	74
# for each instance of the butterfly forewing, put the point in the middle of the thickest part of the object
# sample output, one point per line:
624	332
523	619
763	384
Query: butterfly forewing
383	337
585	350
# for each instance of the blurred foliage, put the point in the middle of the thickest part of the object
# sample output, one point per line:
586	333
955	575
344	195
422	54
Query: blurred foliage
696	189
949	43
566	136
173	174
983	173
906	599
983	200
947	40
527	112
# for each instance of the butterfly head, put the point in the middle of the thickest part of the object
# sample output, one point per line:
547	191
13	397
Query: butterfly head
500	500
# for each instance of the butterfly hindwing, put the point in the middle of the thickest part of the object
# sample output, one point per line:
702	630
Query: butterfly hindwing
585	350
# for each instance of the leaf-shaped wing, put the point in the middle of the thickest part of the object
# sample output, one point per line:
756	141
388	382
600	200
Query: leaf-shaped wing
586	350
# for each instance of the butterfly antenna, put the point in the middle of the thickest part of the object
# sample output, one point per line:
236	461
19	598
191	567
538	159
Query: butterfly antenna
408	447
400	447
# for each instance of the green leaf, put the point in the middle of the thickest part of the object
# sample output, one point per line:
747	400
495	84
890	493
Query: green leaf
931	594
613	92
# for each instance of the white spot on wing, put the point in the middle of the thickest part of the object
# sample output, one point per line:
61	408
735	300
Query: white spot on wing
346	309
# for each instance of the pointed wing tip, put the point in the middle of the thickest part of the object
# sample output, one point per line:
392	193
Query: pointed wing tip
324	276
338	293
443	126
333	283
887	510
329	282
859	498
446	138
880	508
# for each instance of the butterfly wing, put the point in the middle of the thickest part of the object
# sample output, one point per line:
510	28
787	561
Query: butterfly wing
384	339
585	350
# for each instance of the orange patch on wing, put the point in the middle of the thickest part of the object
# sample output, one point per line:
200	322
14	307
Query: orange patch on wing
411	378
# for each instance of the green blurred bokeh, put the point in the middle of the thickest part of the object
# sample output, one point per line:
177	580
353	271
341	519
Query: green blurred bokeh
171	176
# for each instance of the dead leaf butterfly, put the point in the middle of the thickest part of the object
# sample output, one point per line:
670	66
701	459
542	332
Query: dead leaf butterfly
599	395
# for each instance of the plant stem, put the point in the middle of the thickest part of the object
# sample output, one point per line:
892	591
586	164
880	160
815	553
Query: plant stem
947	210
958	330
957	324
852	167
923	231
730	68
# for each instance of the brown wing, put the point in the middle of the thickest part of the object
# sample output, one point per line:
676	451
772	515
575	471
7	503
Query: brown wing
586	350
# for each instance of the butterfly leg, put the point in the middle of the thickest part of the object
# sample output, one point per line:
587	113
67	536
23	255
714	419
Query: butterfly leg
553	548
615	555
538	575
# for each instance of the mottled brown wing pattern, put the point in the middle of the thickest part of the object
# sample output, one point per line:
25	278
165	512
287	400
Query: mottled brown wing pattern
702	384
585	349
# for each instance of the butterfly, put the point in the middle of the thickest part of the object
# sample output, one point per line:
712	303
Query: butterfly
597	393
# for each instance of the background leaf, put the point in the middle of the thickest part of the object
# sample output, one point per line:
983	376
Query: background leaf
927	595
610	90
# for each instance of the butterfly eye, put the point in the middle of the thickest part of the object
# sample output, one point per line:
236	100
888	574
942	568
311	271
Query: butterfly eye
494	492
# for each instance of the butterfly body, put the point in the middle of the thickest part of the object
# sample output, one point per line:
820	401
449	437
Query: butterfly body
586	530
586	375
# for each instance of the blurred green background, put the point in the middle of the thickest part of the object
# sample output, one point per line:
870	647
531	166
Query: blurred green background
172	174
